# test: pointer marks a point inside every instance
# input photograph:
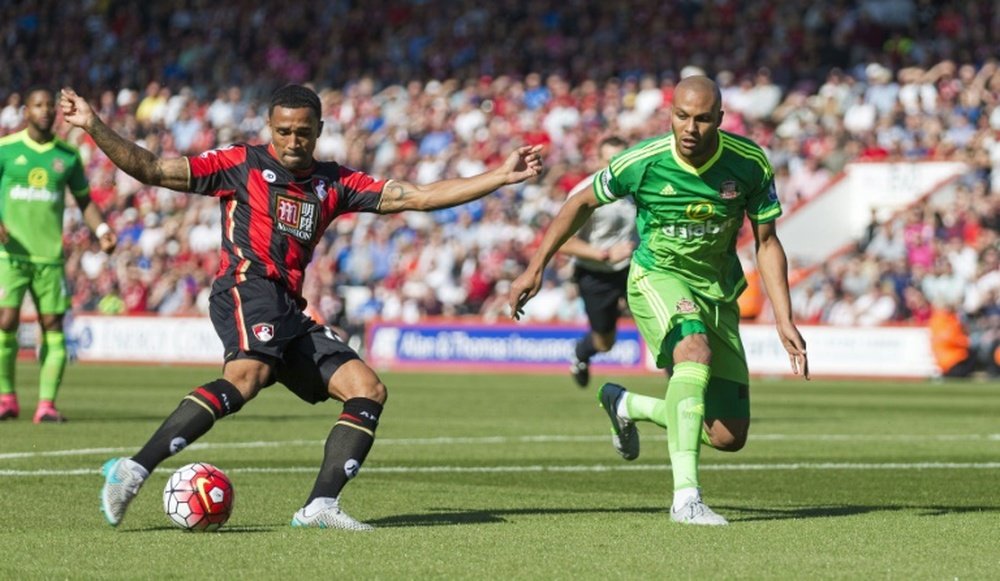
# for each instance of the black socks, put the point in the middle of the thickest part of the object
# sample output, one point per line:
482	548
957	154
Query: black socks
347	446
194	416
585	348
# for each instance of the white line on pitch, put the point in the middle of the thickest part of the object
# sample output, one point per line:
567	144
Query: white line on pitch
541	439
578	468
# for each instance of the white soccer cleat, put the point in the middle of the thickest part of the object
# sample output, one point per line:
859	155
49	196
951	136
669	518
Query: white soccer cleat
696	512
122	479
325	513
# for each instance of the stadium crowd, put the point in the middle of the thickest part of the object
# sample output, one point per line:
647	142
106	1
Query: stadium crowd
439	88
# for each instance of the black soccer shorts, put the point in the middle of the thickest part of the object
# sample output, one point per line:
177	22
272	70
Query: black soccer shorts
601	293
259	319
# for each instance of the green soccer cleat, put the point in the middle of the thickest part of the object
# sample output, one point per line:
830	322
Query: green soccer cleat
123	477
325	513
624	434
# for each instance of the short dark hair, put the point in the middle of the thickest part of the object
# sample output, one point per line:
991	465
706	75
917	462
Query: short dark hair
296	97
38	89
613	141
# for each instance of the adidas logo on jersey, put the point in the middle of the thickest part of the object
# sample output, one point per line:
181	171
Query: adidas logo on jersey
668	190
21	160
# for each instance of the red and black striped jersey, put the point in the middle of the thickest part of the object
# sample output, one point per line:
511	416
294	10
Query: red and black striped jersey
273	218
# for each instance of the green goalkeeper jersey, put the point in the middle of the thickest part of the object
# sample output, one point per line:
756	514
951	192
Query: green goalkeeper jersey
688	218
33	181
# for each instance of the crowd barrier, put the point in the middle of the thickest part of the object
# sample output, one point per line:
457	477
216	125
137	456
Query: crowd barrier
441	345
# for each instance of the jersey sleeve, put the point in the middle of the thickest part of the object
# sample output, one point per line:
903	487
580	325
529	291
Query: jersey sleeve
615	182
218	172
359	191
763	205
609	187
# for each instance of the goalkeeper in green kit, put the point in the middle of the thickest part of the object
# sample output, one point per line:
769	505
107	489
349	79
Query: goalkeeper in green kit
36	169
692	188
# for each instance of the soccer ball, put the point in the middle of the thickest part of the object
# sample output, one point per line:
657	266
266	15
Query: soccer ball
198	497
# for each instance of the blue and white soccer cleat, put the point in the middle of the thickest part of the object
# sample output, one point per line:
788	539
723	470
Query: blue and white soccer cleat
122	479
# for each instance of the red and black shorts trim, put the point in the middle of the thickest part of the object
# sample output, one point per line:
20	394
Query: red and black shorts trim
259	319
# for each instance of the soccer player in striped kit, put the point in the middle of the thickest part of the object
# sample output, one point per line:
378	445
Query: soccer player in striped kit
277	201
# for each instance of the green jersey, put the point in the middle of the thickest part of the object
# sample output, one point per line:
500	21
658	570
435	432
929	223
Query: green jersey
688	218
33	181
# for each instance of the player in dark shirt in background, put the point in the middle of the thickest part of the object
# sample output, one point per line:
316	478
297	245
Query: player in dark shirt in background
601	251
276	202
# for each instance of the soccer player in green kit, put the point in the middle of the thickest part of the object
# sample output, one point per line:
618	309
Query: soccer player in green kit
692	188
36	168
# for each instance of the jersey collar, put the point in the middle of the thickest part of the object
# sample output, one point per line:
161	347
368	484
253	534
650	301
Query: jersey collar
690	168
39	147
298	174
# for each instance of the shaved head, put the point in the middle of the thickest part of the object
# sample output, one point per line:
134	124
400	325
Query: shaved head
703	87
697	114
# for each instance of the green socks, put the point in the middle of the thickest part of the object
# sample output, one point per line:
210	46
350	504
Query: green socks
685	406
53	359
8	357
682	413
643	408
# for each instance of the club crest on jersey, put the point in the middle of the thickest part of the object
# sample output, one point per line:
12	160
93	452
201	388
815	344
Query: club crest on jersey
58	165
295	216
320	188
263	331
269	176
728	190
686	307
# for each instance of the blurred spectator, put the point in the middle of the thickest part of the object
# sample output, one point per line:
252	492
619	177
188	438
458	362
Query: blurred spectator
419	100
12	114
950	343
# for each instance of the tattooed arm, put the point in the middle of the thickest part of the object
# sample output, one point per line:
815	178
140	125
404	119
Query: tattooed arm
397	196
139	163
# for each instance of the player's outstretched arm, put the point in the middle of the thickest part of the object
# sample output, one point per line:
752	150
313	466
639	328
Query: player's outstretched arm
139	163
574	213
522	163
773	265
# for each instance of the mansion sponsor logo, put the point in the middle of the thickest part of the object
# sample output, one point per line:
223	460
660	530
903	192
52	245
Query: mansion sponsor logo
296	217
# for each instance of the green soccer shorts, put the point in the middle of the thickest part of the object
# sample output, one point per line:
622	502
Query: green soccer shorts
47	283
665	311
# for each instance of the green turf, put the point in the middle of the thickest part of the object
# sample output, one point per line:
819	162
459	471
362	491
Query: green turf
493	476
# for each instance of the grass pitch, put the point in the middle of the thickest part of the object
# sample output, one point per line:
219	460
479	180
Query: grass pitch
513	477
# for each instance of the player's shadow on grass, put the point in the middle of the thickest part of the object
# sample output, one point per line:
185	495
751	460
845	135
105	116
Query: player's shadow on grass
744	514
450	517
735	514
241	529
